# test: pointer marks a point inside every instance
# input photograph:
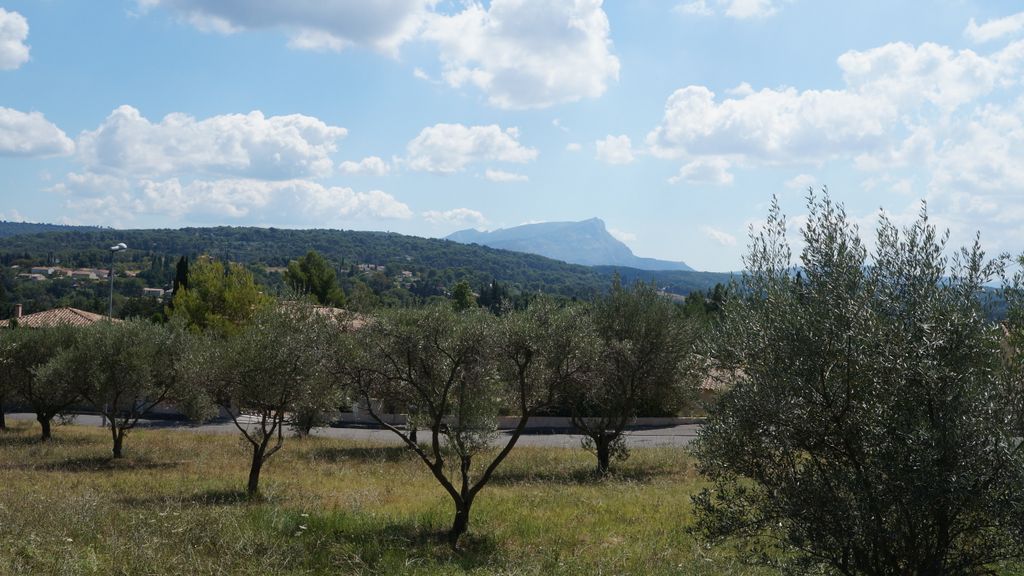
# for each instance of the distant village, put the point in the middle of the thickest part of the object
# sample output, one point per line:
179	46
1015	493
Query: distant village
402	278
44	273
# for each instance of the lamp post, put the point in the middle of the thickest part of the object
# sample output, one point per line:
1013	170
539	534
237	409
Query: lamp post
110	310
113	250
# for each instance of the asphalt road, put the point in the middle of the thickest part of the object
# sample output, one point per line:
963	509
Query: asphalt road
668	436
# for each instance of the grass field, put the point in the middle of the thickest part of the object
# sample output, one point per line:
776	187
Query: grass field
174	505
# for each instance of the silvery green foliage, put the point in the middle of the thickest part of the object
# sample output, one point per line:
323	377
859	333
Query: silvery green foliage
273	366
125	369
30	367
641	362
453	373
869	429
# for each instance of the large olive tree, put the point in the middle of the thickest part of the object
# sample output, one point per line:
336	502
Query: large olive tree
28	359
642	363
455	372
125	369
272	367
868	428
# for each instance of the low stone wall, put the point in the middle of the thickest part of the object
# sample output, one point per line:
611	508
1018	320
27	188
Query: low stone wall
537	423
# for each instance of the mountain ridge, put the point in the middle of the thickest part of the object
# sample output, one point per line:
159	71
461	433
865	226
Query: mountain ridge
586	242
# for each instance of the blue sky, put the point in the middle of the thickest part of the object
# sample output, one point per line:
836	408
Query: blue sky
673	121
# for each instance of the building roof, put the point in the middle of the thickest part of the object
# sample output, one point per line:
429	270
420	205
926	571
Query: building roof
56	316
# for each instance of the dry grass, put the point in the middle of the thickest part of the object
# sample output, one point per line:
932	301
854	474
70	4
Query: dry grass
175	506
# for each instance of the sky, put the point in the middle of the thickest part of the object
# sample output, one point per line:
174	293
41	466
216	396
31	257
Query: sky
675	122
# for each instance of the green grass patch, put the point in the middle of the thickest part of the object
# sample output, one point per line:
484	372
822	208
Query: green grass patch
175	505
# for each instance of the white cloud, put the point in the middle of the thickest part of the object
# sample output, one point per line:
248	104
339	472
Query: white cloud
312	25
519	53
888	91
12	215
458	216
615	149
720	237
235	145
527	53
743	9
738	9
622	236
573	147
28	134
370	165
903	186
711	170
13	32
801	182
449	148
995	29
695	8
115	199
502	176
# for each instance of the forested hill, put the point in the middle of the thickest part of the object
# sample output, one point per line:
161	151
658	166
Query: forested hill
276	247
20	228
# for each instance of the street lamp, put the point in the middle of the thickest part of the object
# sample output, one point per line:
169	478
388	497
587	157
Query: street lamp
113	250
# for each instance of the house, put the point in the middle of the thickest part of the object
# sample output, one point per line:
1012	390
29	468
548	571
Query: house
153	292
44	270
54	317
32	277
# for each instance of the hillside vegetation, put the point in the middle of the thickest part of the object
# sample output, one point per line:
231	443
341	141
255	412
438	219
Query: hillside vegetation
450	261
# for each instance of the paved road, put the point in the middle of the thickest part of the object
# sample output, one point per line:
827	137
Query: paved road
669	436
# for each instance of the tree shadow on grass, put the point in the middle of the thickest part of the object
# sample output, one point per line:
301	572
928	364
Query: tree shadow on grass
363	454
212	497
105	463
27	437
392	546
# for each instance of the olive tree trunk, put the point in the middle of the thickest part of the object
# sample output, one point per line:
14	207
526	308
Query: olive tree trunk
44	423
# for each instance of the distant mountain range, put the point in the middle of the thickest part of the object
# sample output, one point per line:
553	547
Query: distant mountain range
587	242
439	262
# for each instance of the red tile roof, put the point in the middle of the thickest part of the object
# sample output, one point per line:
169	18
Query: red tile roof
56	316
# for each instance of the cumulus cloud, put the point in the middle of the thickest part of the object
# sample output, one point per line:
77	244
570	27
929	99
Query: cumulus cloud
449	148
13	32
527	53
457	216
738	9
502	176
713	170
887	89
30	134
234	145
312	25
995	29
573	147
615	149
801	182
12	216
106	198
519	53
373	165
718	236
622	235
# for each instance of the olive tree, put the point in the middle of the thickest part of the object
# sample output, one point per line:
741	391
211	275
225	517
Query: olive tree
271	368
455	371
28	362
868	429
642	364
125	370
